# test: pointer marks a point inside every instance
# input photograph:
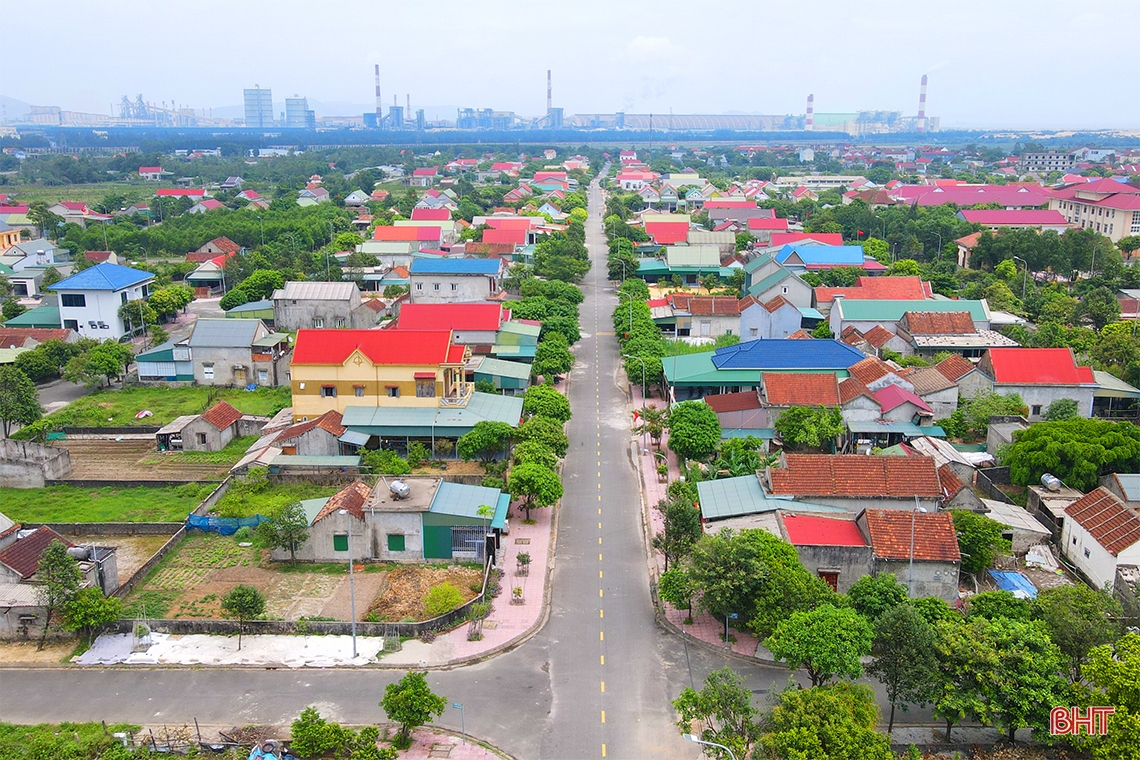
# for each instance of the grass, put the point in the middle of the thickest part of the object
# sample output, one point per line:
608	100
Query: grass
257	496
117	408
89	193
71	504
233	451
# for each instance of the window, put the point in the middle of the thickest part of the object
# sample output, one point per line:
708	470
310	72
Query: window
454	287
207	370
358	391
785	288
262	376
340	542
75	300
71	324
425	388
328	391
1035	410
318	322
435	286
123	296
753	331
419	286
395	542
1086	553
393	391
201	439
338	322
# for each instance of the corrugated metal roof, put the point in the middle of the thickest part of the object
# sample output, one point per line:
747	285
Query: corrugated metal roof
692	256
480	267
223	333
460	500
103	276
421	420
316	291
785	354
892	310
490	366
731	497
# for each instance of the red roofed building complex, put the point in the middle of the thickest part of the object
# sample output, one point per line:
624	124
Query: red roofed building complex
514	236
1111	208
431	215
424	176
1100	533
856	482
920	548
1002	219
1040	376
334	369
471	324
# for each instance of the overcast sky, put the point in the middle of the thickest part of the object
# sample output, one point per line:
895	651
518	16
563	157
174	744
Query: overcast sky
991	63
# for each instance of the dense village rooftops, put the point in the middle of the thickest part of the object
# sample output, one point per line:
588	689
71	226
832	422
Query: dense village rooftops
856	476
395	347
1030	217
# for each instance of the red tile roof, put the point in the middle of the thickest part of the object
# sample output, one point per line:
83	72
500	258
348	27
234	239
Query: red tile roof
954	367
869	370
508	235
719	306
801	389
431	234
667	233
430	214
329	421
890	531
351	498
801	335
175	192
429	171
852	475
149	169
24	555
396	347
850	388
950	482
893	396
939	323
878	336
879	289
458	316
772	305
224	244
17	336
221	415
733	402
821	531
1113	524
1034	366
97	256
1031	217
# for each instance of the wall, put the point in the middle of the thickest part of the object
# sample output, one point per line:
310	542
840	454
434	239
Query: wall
102	306
111	528
28	465
856	505
223	359
467	288
289	316
798	292
216	440
1043	395
746	418
1099	566
852	562
126	588
943	402
938	579
973	383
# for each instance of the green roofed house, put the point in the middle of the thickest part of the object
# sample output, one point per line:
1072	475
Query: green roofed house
42	316
865	315
516	342
411	519
398	426
262	310
742	503
510	377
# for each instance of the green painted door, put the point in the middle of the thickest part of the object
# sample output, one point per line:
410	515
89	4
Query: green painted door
437	542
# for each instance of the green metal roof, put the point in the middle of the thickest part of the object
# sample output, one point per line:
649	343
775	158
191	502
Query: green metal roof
519	328
270	340
163	352
893	311
809	313
8	355
313	507
1110	386
757	262
771	280
731	497
41	316
521	353
426	420
698	369
501	368
459	500
702	256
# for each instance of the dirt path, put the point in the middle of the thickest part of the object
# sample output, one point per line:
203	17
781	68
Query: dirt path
368	587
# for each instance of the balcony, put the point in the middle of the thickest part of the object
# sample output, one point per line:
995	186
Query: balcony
460	395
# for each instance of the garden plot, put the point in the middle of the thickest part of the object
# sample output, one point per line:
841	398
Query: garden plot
133	459
403	597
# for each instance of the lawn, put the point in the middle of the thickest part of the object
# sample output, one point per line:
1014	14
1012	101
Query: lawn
256	495
70	504
89	193
233	451
117	408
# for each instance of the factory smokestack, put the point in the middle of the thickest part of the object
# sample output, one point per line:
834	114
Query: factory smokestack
379	103
549	100
922	106
408	100
809	121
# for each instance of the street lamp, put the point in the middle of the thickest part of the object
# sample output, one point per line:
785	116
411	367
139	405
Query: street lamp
1024	277
261	222
939	245
293	241
910	571
695	740
351	587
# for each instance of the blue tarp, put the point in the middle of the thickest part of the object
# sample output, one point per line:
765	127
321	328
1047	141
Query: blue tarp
1015	583
227	526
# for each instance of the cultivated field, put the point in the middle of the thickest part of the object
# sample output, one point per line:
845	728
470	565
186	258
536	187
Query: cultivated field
98	459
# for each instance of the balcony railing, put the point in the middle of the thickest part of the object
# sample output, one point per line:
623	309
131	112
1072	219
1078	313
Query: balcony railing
460	395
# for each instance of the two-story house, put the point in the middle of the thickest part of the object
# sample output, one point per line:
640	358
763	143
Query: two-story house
455	280
320	305
89	301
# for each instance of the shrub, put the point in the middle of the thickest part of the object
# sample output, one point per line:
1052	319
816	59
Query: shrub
492	482
441	599
417	454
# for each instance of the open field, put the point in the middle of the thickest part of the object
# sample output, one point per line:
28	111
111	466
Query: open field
89	193
72	504
136	459
403	597
117	408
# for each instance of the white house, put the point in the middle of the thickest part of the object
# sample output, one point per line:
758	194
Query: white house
776	318
89	301
1101	534
455	280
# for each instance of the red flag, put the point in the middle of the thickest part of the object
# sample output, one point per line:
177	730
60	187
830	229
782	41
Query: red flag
860	232
636	416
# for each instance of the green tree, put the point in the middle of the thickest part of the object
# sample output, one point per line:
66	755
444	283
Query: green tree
1062	409
957	692
289	530
1078	451
827	641
51	277
1099	307
904	659
544	401
722	711
934	610
532	452
992	605
652	420
411	703
551	360
313	736
676	587
57	582
1078	618
19	403
822	331
486	440
544	431
979	540
873	595
567	327
694	430
810	426
537	485
1001	298
89	610
243	603
1025	682
12	308
1114	672
985	405
680	531
834	722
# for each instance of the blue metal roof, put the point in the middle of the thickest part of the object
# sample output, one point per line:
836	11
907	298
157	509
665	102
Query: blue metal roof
782	353
1015	583
486	267
105	276
849	255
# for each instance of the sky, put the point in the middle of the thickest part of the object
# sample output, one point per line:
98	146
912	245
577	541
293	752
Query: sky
1022	64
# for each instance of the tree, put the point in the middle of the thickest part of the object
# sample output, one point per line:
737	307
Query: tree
12	308
288	530
827	641
904	657
51	277
834	722
935	610
740	456
822	331
538	485
89	610
106	361
485	441
811	426
1114	671
411	703
19	404
544	431
57	582
985	405
1062	409
694	430
979	540
551	359
722	711
1078	451
874	595
567	327
653	421
544	401
1099	307
1078	618
993	605
1001	298
676	587
532	452
243	603
681	529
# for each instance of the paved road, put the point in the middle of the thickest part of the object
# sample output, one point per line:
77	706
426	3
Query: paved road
59	393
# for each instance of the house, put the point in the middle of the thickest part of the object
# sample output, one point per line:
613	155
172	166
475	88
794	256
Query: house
801	257
874	289
1111	208
1022	528
431	215
455	280
318	437
1125	485
311	196
1016	219
202	206
1040	376
517	341
219	246
766	279
30	337
31	253
780	239
938	392
209	277
151	173
424	176
182	192
422	237
356	198
475	325
965	196
228	352
966	375
89	301
1100	534
511	378
776	318
832	548
855	482
667	229
919	548
864	315
209	431
436	520
741	411
320	305
262	310
743	503
232	183
705	316
781	391
927	333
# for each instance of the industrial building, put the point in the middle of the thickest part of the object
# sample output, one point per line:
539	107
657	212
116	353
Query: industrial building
259	107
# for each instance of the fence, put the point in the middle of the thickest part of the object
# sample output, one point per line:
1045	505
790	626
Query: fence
215	495
104	432
134	580
987	481
225	526
111	528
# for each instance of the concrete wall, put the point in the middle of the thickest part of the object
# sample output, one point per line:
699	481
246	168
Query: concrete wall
1043	395
974	383
223	360
938	579
851	562
28	465
1092	559
943	402
289	316
439	288
855	505
758	322
216	440
747	418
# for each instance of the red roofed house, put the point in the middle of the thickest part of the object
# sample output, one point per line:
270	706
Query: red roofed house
857	482
212	429
1111	208
98	257
207	204
151	173
215	247
833	547
424	177
1002	219
181	192
335	369
427	236
431	214
667	229
781	391
515	236
739	411
780	239
919	548
319	436
901	405
472	324
706	316
875	289
30	337
1040	376
1100	534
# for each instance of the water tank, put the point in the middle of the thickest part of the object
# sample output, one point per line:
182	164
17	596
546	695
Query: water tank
1052	482
79	552
400	489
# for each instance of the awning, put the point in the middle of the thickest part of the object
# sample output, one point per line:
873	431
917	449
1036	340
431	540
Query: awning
425	376
1113	387
766	434
354	437
885	428
932	430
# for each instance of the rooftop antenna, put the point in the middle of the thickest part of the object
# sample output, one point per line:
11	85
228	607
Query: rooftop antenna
922	106
379	104
809	120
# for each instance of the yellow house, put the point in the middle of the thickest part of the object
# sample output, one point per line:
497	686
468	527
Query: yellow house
9	236
334	369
